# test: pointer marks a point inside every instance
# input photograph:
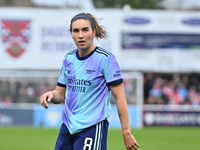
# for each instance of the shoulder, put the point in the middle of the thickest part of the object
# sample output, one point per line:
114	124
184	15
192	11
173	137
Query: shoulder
71	53
68	55
103	52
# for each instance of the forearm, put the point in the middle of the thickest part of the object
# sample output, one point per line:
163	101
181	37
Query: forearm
57	97
123	114
120	98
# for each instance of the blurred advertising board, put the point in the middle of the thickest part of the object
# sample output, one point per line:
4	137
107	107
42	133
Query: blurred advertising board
35	115
160	40
16	117
52	117
141	40
135	116
170	117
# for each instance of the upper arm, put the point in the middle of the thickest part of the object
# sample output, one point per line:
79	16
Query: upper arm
118	91
112	71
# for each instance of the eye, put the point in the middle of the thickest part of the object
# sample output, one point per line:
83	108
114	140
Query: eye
85	29
75	30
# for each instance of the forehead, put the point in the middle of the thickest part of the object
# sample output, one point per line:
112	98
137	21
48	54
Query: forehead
81	23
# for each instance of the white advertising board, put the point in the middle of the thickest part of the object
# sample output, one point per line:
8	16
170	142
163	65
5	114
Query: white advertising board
141	40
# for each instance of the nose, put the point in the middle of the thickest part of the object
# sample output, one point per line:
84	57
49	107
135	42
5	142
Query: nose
80	34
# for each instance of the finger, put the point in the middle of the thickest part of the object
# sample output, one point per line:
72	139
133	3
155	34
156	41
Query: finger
50	97
136	146
46	106
44	103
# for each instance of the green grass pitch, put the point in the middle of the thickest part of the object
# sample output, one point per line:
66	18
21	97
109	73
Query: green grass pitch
149	138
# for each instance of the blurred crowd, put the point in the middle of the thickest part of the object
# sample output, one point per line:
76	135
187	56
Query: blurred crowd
130	88
172	89
24	90
29	90
158	89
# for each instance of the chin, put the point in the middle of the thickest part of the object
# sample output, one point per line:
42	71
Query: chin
83	48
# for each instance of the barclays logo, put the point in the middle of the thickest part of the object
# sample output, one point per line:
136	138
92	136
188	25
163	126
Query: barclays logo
136	20
192	21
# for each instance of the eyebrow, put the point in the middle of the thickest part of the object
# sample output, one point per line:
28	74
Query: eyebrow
81	29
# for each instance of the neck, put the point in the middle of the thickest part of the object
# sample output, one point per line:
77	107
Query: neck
85	52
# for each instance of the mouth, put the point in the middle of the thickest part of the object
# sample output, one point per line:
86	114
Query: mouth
81	42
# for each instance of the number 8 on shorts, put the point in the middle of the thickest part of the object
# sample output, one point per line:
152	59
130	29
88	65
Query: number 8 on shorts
87	143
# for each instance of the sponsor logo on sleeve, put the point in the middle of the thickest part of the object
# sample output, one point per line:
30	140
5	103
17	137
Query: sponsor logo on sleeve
118	73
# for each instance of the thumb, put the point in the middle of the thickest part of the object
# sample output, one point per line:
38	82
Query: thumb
51	95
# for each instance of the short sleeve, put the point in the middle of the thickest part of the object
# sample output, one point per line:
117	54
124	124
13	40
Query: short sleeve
112	71
62	78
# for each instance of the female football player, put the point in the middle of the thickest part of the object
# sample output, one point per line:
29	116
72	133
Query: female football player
88	77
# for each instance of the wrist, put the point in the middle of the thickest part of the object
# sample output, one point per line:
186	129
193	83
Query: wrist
126	131
53	93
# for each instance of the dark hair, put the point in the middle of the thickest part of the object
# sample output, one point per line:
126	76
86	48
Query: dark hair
100	32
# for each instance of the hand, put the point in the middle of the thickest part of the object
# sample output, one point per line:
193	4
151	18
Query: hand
130	142
46	97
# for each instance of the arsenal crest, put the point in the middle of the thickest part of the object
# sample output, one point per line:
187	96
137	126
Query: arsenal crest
15	36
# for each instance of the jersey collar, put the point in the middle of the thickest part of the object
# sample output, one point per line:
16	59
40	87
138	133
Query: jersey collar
85	57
